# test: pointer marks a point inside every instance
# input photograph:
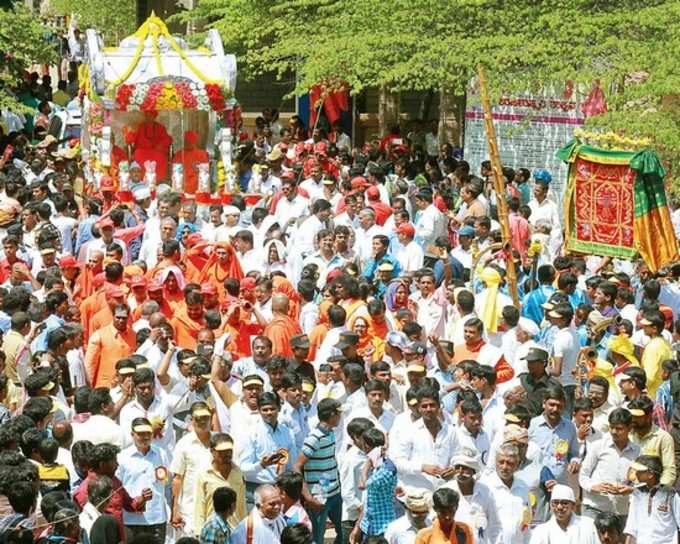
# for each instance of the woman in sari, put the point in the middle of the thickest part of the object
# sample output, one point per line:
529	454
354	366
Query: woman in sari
275	257
396	298
369	345
173	285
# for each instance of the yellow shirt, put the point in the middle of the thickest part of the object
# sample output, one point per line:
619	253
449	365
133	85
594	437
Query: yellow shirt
206	484
659	443
655	353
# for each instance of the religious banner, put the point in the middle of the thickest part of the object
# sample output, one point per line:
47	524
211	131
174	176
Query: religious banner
615	205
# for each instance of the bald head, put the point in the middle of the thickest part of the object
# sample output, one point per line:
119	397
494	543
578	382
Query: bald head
156	319
149	308
280	303
62	432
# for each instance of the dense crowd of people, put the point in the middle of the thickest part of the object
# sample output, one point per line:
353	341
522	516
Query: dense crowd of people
335	354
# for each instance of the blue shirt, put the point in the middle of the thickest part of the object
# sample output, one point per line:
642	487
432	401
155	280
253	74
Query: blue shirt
378	502
265	440
559	445
216	531
52	322
296	420
457	269
84	233
372	266
137	471
531	303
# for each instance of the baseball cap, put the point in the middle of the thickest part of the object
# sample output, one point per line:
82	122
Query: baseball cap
68	262
253	380
105	223
200	409
419	348
397	339
208	289
407	229
138	281
467	230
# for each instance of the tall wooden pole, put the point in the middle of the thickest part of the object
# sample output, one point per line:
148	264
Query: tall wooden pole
499	187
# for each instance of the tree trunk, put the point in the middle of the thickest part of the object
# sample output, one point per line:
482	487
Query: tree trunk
389	106
451	117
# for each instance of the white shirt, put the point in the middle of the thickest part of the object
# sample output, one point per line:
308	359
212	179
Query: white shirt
350	465
99	429
88	516
567	346
303	241
383	423
243	420
418	449
160	409
400	531
314	188
513	507
430	224
463	256
478	511
604	462
251	260
658	526
265	531
291	209
65	225
581	530
309	315
363	244
410	256
190	458
431	313
480	443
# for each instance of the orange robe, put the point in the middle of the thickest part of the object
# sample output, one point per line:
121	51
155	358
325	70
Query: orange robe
280	330
186	330
174	300
190	159
215	272
102	318
282	285
88	308
319	332
463	352
104	349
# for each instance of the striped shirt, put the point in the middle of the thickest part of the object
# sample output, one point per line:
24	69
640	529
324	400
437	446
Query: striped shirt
321	469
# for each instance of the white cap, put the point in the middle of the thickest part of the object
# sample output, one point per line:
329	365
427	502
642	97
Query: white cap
397	339
140	193
231	210
562	493
528	326
466	457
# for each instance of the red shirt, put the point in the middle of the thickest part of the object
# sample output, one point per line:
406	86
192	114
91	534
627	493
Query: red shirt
119	500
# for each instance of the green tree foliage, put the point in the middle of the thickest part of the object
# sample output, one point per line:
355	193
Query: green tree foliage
431	44
114	19
23	42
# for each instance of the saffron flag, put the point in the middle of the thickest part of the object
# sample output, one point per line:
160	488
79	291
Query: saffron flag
615	205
